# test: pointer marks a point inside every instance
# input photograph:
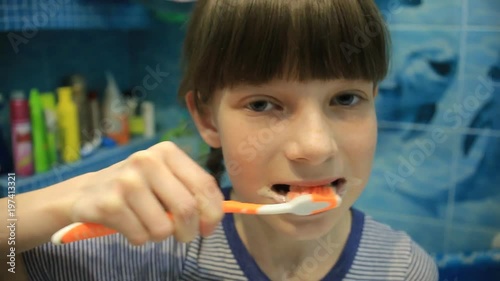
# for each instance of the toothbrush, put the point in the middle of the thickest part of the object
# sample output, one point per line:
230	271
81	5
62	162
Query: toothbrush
319	200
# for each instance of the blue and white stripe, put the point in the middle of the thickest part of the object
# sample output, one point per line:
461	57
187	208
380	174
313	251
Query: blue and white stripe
382	254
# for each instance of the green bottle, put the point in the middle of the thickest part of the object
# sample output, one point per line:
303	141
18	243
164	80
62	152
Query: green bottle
50	114
39	132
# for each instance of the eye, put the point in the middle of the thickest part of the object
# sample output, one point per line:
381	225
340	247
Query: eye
345	100
260	105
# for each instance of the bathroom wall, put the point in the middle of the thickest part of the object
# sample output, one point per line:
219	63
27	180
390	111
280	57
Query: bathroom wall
435	174
436	169
44	41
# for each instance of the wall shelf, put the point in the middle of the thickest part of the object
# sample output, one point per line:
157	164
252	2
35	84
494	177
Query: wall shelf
102	158
28	16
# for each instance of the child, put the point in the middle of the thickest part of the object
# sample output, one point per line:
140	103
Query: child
283	92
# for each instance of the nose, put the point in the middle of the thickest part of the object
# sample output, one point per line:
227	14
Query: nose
312	140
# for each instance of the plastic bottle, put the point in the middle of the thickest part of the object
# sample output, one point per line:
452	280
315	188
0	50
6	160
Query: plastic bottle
115	112
21	134
94	114
79	95
67	115
50	117
148	114
39	135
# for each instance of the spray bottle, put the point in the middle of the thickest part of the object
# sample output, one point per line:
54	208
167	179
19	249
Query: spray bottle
21	134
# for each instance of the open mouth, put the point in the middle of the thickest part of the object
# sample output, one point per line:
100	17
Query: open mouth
285	190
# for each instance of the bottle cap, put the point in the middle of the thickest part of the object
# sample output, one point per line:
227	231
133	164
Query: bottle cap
64	94
17	95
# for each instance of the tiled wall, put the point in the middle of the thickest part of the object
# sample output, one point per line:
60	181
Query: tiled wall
435	174
436	171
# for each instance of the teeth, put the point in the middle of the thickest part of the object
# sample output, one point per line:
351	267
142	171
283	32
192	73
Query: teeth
267	192
282	192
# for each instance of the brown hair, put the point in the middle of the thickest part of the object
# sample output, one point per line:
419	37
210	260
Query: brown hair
229	42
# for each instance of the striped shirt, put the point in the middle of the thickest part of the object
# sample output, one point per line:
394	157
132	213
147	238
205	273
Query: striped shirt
373	251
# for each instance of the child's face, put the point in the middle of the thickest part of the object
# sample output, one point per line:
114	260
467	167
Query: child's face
290	132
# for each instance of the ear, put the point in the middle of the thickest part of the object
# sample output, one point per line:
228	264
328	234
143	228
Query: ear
204	121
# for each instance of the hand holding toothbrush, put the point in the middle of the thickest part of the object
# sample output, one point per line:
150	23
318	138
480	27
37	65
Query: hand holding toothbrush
131	196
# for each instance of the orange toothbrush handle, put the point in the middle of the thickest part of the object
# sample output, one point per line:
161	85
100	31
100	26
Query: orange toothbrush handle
231	206
80	231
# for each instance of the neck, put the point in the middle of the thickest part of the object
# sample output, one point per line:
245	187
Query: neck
294	259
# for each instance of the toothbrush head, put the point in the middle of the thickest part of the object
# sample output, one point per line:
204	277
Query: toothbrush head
320	199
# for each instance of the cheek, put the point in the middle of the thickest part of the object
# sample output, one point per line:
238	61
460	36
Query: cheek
360	146
241	149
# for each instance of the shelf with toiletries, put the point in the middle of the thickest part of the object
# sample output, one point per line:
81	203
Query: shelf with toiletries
50	141
103	157
106	156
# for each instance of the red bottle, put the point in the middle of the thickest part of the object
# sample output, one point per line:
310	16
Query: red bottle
21	134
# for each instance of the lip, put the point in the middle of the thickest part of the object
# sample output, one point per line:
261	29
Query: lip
310	183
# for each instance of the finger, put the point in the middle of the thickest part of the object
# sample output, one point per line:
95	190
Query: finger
145	205
173	195
201	184
113	212
181	204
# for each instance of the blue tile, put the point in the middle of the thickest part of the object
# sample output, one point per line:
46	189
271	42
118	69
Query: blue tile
484	12
74	15
477	194
482	53
423	70
412	174
476	106
469	237
421	12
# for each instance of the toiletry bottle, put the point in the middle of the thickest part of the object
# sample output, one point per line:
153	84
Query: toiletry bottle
94	114
115	113
148	115
79	90
40	156
21	134
50	118
67	115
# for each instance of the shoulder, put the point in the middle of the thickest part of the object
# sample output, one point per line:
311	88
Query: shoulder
385	251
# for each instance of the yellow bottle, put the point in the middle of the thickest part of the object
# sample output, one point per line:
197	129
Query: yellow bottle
67	117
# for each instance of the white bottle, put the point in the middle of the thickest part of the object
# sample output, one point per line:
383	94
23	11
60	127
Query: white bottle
148	115
115	113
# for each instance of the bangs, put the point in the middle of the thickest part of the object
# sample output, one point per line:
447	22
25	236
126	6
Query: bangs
231	42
